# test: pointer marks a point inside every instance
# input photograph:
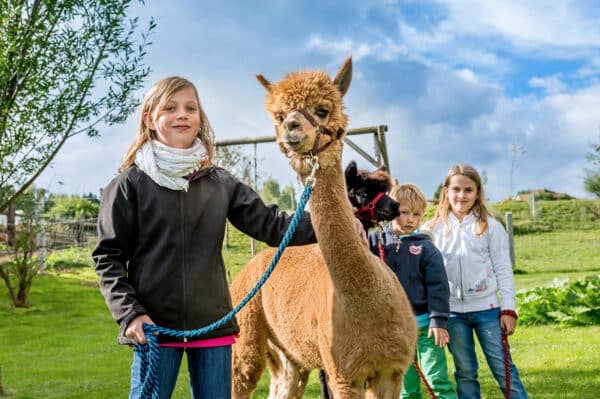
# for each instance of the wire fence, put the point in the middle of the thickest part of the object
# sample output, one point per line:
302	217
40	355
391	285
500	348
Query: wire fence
60	234
56	234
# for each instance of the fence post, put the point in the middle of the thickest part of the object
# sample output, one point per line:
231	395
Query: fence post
2	393
41	236
511	237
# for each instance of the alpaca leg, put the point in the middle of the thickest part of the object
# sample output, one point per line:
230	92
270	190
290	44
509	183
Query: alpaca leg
288	380
342	388
385	386
248	364
249	356
325	391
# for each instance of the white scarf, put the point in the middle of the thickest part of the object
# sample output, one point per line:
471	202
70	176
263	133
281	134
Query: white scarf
167	166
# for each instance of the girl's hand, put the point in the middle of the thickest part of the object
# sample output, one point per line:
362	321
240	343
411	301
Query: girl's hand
135	329
508	324
441	336
360	230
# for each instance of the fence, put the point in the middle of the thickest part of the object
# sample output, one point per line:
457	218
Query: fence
57	234
60	234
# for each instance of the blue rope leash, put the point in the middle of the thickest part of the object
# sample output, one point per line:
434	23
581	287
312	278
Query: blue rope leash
150	352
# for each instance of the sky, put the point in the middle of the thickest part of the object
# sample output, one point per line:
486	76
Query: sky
505	86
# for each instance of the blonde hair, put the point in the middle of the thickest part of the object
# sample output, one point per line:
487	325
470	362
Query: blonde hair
410	195
158	95
479	208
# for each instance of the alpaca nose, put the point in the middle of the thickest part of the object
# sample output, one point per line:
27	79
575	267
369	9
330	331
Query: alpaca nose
291	125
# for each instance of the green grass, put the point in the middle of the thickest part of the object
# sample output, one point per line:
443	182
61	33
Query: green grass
558	251
64	345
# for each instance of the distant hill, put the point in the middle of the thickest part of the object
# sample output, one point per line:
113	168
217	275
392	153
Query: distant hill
540	194
546	215
549	215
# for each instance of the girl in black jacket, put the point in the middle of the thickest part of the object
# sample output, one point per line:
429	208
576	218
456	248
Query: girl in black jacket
161	227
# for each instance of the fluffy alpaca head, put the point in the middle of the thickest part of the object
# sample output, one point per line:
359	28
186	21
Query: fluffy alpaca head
316	94
364	189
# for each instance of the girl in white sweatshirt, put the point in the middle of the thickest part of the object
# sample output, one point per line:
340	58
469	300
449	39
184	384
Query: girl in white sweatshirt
477	260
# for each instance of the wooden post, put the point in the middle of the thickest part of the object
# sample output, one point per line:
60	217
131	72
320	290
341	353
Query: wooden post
2	392
11	222
511	237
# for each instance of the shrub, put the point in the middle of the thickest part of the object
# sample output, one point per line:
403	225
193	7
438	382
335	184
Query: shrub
70	258
575	304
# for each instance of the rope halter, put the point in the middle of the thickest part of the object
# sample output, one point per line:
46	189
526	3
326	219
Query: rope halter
367	212
320	130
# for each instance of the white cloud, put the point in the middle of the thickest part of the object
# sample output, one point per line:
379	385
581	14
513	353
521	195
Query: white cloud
384	49
445	87
551	84
526	25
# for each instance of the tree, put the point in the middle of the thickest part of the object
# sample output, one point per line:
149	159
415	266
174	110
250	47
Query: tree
235	161
18	273
66	66
438	192
270	192
516	151
592	179
287	199
72	207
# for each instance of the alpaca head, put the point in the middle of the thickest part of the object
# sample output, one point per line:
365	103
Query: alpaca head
367	194
308	111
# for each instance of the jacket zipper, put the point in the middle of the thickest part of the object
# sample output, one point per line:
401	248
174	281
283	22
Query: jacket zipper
460	268
183	263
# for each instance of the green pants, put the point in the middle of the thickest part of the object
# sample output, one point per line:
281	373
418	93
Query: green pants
432	361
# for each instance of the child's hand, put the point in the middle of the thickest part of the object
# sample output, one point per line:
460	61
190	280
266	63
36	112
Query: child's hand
441	336
135	329
361	231
508	324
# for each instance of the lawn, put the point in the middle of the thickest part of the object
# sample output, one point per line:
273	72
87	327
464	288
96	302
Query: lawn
64	345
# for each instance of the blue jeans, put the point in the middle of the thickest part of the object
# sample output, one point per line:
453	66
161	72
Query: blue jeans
209	369
486	324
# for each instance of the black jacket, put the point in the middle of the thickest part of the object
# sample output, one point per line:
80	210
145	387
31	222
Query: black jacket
419	266
159	250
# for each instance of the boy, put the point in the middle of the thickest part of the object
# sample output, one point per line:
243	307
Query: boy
419	266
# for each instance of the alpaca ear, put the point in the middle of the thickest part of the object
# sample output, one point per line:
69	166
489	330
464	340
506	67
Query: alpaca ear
351	172
266	84
344	76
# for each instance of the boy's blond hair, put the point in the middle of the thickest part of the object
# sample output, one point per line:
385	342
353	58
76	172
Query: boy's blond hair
410	195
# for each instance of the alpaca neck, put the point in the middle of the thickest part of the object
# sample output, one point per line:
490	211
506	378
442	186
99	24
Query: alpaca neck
348	258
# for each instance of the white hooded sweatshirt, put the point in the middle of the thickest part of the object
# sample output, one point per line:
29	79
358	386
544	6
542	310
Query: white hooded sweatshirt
478	267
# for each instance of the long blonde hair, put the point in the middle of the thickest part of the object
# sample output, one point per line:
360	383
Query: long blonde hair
153	100
480	208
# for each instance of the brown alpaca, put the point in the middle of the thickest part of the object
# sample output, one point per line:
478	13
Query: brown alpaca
333	306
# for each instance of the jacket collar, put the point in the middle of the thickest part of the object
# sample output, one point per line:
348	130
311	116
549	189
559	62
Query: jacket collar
470	218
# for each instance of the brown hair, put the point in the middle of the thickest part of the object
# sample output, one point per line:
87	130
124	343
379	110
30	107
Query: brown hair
153	100
480	208
411	195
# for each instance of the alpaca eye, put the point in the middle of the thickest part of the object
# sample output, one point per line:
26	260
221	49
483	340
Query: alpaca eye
322	113
279	118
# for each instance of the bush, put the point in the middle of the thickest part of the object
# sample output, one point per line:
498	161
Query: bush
574	304
70	258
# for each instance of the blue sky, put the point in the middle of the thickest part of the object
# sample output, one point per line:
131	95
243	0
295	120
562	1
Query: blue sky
454	81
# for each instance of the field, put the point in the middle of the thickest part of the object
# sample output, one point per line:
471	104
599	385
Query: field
64	345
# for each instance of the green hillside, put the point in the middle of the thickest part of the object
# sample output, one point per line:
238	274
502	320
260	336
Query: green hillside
561	215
